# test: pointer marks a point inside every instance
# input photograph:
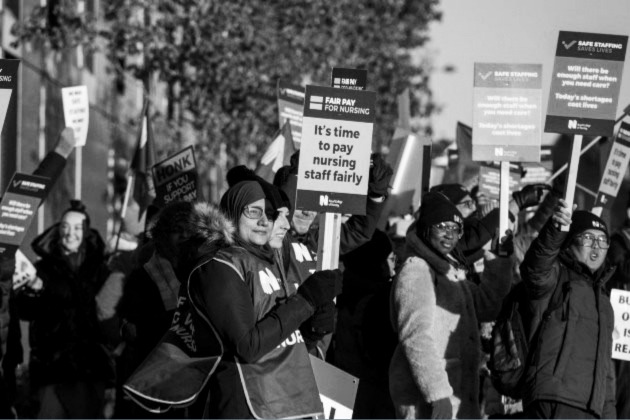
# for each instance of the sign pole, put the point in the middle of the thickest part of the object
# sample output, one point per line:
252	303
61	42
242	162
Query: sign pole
78	172
328	243
569	194
504	199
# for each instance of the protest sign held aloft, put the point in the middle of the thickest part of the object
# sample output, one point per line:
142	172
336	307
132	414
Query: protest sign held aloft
290	106
335	152
507	112
620	301
8	82
349	78
585	83
615	170
175	178
76	111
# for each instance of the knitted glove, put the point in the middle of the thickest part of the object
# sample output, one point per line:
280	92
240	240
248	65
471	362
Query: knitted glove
530	195
321	287
442	409
503	247
380	175
323	322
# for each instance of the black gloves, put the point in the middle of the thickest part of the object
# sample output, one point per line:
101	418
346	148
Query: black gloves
322	322
530	195
503	246
380	175
321	287
442	409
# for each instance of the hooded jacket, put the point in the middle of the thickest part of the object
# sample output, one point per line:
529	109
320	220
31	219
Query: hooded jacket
571	363
436	311
65	340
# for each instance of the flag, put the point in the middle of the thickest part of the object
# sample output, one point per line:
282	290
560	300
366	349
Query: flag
143	160
278	153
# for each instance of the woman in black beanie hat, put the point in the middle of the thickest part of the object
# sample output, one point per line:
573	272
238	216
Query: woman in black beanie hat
436	311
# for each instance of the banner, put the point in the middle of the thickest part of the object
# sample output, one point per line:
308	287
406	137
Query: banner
349	78
18	207
507	112
490	180
615	170
175	178
76	111
337	389
290	107
335	154
585	83
620	301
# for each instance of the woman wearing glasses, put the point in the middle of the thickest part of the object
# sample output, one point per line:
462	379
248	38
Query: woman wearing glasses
265	370
434	372
571	374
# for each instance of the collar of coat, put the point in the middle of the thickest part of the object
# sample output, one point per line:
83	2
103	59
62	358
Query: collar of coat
441	264
600	276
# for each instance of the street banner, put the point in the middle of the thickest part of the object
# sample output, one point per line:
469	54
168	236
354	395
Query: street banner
615	170
349	78
490	180
277	155
620	301
290	107
585	83
507	112
76	111
337	389
335	153
18	207
8	83
175	178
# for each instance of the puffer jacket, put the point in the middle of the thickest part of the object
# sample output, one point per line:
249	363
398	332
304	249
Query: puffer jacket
571	362
436	312
65	339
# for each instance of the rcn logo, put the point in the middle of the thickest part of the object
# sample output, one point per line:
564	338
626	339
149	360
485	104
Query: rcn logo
572	124
498	151
323	200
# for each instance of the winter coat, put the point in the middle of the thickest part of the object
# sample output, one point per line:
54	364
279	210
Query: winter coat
436	312
66	344
571	363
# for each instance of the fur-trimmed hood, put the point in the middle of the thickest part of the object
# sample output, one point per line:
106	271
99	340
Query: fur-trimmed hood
208	230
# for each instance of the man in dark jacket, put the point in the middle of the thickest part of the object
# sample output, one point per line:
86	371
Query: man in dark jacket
570	373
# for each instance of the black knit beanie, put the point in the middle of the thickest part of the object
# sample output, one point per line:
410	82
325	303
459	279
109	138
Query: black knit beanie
436	208
454	192
581	221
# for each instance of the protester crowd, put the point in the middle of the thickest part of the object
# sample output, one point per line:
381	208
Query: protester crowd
237	285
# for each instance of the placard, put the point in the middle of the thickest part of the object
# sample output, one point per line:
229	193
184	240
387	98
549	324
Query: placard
18	207
76	111
585	83
620	301
615	170
8	82
337	389
175	178
507	112
349	78
335	154
490	180
290	107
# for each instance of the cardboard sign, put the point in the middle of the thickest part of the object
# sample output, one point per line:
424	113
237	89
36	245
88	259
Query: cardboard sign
337	389
490	180
615	170
585	83
290	107
25	271
8	83
507	112
175	178
76	111
620	301
349	78
335	154
18	207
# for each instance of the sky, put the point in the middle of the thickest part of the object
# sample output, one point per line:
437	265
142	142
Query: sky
510	31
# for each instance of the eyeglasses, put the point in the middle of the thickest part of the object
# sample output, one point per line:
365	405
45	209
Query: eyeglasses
443	228
468	204
253	212
588	240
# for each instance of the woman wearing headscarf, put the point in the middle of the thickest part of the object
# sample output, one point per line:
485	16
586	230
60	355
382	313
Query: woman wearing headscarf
68	363
434	372
265	370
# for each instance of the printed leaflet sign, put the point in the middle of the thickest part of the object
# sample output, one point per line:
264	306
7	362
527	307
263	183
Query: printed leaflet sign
615	170
620	301
290	106
175	178
349	78
76	111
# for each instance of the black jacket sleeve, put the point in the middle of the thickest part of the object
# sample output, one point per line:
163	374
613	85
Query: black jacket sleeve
51	167
539	268
478	232
228	303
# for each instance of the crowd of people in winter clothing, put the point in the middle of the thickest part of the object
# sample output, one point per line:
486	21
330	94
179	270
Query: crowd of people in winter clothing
216	311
